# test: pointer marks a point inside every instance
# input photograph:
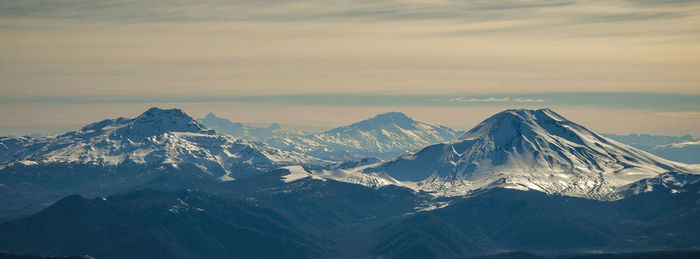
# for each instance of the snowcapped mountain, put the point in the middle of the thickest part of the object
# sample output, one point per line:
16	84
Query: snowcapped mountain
385	135
685	149
646	141
686	152
244	131
156	138
521	149
479	182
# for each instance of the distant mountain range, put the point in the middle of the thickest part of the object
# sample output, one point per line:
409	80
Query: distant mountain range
115	153
520	149
244	131
360	139
160	138
525	150
162	185
687	152
384	136
684	149
647	141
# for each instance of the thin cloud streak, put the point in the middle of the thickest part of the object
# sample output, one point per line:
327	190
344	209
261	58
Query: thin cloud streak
528	100
609	100
489	99
680	114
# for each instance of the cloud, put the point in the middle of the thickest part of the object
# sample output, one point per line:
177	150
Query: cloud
679	114
528	100
477	100
430	47
661	2
496	99
556	11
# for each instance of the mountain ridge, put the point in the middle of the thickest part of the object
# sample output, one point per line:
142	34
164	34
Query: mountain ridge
155	136
157	224
522	149
114	154
384	136
248	132
505	185
304	215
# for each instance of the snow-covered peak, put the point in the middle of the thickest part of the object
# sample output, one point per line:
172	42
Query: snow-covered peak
392	118
151	123
385	135
156	121
509	124
526	149
156	137
158	112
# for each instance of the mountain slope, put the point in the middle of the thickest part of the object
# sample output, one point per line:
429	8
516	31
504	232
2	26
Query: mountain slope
264	216
156	137
498	220
111	155
156	224
385	135
528	150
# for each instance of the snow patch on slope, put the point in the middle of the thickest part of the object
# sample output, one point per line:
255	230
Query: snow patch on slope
296	173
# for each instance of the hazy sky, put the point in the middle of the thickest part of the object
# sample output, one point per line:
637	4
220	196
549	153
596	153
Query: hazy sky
615	66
